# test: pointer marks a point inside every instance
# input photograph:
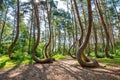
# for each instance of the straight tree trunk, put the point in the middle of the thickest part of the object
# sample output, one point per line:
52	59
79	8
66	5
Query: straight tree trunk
30	37
96	42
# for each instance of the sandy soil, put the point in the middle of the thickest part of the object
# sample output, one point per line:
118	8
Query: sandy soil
60	70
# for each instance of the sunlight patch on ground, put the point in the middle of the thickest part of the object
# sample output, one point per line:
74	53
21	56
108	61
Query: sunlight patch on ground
14	75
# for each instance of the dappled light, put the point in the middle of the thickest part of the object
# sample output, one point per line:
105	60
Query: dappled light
59	39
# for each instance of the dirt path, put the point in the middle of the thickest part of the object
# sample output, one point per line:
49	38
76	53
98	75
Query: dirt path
59	70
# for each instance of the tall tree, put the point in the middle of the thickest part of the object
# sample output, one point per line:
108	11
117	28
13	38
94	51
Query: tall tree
17	32
80	23
105	29
48	60
83	61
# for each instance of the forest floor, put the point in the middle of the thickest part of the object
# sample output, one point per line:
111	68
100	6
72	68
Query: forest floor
65	69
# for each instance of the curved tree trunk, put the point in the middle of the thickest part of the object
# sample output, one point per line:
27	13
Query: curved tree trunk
80	23
17	32
43	49
80	53
49	24
48	60
106	31
3	27
69	50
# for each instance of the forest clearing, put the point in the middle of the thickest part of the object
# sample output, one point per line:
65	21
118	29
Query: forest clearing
64	69
59	39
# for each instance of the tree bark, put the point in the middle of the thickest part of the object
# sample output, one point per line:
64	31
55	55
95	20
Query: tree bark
48	60
80	23
17	32
96	42
105	29
80	53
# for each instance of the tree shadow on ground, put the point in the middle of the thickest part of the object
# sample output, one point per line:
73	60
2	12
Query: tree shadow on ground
58	71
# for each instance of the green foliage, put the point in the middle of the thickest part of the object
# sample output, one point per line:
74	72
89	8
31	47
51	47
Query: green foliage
118	52
2	7
60	56
39	51
116	60
92	54
21	58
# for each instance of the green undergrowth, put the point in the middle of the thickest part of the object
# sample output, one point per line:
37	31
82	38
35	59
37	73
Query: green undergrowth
116	60
113	62
60	56
22	58
5	62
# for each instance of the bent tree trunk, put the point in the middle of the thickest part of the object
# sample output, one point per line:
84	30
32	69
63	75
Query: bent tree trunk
48	60
80	23
80	53
69	50
49	46
3	26
17	33
105	29
50	35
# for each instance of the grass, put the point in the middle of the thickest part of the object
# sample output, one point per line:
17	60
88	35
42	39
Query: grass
60	56
116	60
5	62
107	61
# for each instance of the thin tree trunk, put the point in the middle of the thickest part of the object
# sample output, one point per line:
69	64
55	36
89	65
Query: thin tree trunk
117	13
17	32
59	45
80	23
96	42
106	31
64	48
4	23
31	27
